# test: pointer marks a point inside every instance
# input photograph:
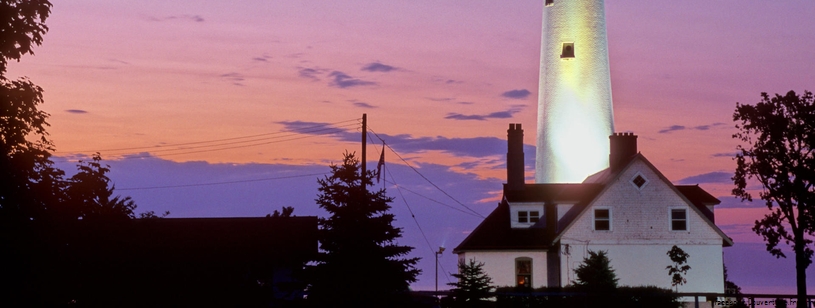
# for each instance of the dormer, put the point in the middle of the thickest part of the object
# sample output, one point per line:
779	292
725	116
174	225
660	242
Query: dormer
525	214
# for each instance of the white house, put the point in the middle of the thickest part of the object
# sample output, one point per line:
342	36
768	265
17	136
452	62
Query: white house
540	233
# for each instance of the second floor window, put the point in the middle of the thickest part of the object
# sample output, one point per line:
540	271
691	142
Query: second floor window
602	219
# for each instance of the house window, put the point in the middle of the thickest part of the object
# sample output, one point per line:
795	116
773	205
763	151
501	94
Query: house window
602	219
523	272
528	216
679	219
568	51
550	2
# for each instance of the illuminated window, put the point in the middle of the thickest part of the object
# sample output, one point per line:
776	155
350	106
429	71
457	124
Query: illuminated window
679	219
523	272
568	51
550	2
602	219
528	216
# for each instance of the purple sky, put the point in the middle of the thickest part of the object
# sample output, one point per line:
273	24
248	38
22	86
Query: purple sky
439	82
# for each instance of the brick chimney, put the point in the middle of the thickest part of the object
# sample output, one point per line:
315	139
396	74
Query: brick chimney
623	147
515	157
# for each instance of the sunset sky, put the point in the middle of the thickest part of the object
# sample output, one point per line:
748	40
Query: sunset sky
265	94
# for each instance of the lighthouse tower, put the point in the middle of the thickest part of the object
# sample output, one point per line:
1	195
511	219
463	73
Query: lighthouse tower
575	116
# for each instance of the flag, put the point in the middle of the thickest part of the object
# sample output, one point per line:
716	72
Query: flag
381	163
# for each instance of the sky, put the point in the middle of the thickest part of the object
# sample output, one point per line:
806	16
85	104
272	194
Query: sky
213	109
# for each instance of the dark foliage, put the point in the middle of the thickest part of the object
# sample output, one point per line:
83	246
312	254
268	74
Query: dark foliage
23	27
678	270
734	292
568	297
473	287
778	137
90	194
360	265
595	274
287	212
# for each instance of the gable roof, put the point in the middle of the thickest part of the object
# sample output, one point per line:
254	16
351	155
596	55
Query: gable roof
496	232
692	196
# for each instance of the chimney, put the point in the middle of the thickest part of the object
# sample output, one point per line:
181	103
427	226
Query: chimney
515	157
623	147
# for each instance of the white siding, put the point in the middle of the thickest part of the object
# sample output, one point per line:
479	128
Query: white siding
640	235
500	265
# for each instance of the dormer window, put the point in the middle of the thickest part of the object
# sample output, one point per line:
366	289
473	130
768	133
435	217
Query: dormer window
528	216
525	215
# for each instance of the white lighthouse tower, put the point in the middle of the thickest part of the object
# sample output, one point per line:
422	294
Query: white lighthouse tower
575	117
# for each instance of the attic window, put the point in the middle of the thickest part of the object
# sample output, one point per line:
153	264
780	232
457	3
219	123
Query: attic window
568	51
550	2
639	181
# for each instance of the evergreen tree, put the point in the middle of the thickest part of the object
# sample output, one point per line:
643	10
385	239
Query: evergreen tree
360	265
473	286
595	273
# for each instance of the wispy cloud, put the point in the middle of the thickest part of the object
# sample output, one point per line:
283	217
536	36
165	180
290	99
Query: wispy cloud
674	128
437	79
236	78
727	154
731	202
482	117
364	105
193	18
378	67
310	73
76	111
710	177
404	143
343	81
706	127
440	99
263	58
516	94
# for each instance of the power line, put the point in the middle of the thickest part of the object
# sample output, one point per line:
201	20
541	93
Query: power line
430	246
421	175
222	183
309	129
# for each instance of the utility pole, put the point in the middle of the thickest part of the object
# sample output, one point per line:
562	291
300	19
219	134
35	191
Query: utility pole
364	148
441	250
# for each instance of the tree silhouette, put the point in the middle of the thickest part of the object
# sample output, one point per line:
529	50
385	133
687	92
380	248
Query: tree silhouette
676	271
91	193
473	286
595	273
778	136
22	26
360	264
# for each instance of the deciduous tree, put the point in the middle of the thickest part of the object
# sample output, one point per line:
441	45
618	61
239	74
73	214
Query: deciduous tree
360	265
677	271
778	139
